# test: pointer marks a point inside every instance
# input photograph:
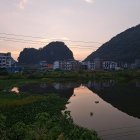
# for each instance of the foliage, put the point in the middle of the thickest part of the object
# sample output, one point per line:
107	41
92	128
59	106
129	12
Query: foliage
41	120
2	127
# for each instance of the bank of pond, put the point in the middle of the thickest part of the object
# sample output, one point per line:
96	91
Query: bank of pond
75	75
45	109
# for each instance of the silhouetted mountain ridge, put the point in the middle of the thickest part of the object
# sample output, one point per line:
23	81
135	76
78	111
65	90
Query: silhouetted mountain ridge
50	53
124	47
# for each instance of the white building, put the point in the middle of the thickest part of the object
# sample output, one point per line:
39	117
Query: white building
109	65
90	65
57	65
6	60
43	65
68	65
98	63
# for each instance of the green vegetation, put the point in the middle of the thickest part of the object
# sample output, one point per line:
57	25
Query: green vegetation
15	80
36	117
51	76
39	117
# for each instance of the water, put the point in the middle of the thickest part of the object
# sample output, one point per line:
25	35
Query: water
15	90
112	109
108	121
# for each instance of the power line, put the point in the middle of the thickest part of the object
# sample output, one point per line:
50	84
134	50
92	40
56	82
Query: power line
3	37
39	42
17	35
80	47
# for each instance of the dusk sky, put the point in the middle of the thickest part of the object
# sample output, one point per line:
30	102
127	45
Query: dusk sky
83	20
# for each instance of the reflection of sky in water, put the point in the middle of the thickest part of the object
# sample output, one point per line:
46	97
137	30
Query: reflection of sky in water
91	111
15	90
104	116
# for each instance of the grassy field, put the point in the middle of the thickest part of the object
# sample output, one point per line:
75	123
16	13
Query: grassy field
36	117
39	117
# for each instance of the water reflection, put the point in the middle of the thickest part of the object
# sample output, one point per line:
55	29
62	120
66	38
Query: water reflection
108	107
137	83
62	89
100	85
124	96
102	117
15	90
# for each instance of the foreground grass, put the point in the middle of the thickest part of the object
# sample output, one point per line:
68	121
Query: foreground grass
36	117
39	118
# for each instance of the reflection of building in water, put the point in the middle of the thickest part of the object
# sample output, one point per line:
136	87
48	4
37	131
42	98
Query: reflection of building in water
62	89
43	85
137	83
100	85
108	83
60	86
15	90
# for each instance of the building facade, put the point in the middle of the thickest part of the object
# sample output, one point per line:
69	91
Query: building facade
44	66
69	65
109	65
88	65
6	60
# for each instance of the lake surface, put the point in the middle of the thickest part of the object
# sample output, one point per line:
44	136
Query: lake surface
112	109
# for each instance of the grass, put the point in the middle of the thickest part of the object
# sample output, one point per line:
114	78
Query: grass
6	102
24	113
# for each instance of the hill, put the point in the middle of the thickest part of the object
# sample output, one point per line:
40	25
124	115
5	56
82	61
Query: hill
125	47
50	53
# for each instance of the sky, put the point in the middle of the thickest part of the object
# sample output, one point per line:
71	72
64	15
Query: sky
92	21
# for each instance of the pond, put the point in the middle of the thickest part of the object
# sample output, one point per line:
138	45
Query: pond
110	108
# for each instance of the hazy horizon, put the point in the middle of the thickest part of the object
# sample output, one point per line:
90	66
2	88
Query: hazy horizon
78	20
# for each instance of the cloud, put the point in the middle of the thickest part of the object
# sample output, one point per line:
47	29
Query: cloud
90	1
22	4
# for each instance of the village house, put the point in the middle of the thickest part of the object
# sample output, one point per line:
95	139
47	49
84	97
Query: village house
9	64
58	65
69	65
94	65
44	66
88	65
109	65
5	60
98	63
137	63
